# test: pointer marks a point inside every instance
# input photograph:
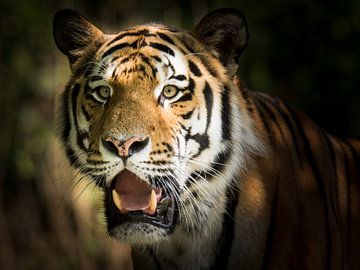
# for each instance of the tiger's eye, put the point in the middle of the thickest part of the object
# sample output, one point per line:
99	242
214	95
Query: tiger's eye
170	91
104	92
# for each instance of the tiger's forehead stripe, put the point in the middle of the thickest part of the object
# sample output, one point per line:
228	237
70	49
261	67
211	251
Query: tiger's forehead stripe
194	69
141	34
145	63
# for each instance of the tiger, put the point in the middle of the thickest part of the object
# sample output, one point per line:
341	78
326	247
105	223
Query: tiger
197	171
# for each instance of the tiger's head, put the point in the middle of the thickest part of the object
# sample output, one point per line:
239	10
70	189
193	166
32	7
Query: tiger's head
149	116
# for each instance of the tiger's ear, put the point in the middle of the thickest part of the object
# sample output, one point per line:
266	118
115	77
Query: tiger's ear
74	34
225	31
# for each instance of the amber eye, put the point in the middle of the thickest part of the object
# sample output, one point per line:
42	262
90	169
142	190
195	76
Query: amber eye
102	93
170	91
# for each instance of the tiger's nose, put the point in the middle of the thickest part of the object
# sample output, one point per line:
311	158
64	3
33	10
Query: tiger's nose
125	148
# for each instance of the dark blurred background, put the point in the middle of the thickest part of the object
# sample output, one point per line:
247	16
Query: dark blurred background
306	52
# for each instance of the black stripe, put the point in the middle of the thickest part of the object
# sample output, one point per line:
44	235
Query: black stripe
185	97
270	114
99	180
162	47
141	68
131	56
206	62
88	71
334	164
195	194
226	238
170	65
95	78
273	118
166	38
113	75
208	94
114	59
115	48
187	115
201	139
157	58
194	69
291	128
191	85
348	196
144	32
178	77
319	182
74	96
355	156
126	59
220	161
335	201
349	188
187	46
194	176
85	112
275	121
144	58
271	230
70	154
260	111
249	104
147	61
97	162
225	114
65	123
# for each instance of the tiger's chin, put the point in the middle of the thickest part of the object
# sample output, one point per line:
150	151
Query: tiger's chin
138	213
138	234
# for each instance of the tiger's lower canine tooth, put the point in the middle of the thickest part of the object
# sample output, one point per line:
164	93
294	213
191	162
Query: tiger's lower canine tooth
152	203
117	202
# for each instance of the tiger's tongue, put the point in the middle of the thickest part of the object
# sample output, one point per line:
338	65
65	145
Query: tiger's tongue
132	194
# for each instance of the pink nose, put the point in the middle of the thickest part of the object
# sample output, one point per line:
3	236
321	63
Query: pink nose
125	148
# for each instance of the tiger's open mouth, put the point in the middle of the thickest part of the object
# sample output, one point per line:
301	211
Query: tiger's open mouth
132	200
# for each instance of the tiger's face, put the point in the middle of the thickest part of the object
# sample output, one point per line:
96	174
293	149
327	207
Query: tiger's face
146	116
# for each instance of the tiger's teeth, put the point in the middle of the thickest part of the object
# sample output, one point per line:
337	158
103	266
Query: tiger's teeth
152	203
117	201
